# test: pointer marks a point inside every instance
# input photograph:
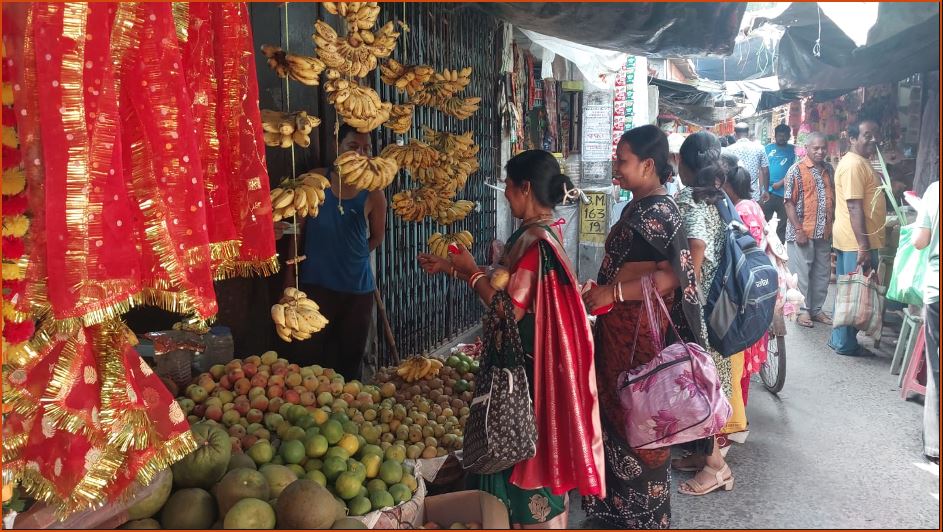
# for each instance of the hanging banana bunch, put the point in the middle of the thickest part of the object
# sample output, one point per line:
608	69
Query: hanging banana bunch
401	118
284	129
302	196
301	68
296	317
412	156
366	173
439	243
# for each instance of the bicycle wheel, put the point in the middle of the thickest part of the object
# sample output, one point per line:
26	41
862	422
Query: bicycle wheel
773	373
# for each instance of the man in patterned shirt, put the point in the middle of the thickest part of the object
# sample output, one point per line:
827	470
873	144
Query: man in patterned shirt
752	156
810	209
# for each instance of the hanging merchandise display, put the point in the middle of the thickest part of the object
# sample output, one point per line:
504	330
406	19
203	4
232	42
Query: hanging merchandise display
145	180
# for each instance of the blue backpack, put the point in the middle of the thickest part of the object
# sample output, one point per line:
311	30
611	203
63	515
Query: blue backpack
742	297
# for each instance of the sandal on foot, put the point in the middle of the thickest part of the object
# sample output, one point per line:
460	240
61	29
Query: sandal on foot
804	320
822	317
689	463
723	478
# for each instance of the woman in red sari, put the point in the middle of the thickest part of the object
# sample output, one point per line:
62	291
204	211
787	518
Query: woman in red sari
558	349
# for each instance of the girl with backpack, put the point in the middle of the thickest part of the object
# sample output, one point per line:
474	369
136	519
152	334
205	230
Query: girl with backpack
739	188
703	173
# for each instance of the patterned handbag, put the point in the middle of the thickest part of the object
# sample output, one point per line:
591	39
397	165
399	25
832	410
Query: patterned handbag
501	430
674	398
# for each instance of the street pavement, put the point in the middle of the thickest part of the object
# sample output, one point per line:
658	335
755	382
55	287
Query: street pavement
838	448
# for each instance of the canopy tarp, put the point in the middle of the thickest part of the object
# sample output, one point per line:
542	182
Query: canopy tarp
904	40
752	58
646	28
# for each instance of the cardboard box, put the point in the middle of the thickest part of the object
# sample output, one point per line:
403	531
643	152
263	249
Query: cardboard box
471	506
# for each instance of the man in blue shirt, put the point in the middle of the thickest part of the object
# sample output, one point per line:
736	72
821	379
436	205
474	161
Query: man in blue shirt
782	156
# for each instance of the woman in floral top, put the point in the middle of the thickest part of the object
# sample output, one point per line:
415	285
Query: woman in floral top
703	174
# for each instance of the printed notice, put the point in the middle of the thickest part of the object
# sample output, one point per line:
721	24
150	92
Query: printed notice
597	133
594	218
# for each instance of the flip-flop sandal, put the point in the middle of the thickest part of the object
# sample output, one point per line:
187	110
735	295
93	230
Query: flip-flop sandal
804	321
822	318
723	478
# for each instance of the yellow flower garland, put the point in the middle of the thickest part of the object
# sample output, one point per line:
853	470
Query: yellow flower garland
14	181
12	271
15	226
10	138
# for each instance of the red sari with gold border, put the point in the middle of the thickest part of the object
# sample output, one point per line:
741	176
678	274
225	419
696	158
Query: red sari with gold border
569	440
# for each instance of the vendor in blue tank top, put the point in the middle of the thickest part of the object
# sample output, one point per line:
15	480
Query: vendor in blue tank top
336	273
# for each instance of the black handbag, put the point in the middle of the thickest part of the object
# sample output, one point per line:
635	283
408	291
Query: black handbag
501	430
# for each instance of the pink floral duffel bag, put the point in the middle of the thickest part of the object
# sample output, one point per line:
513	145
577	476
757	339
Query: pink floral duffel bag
676	397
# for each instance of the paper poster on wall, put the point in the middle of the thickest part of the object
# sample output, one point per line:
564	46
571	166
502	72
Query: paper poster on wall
597	132
594	218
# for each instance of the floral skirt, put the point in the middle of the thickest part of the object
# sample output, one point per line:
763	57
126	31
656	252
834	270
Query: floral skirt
525	507
638	486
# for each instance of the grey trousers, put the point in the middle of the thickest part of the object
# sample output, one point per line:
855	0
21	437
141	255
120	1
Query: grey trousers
931	401
812	264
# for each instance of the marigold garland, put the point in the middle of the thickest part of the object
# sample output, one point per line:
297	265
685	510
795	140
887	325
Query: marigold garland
13	248
15	226
14	181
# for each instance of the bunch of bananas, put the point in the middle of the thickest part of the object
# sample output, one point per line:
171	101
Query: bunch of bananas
415	204
401	118
366	124
296	317
460	108
442	86
450	212
359	106
411	79
301	68
302	196
418	368
439	243
366	173
283	129
412	156
462	145
357	54
359	15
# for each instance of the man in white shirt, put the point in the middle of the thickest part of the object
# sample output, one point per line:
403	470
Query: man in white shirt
928	235
753	157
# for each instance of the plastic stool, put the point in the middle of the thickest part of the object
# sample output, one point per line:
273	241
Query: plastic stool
906	340
910	383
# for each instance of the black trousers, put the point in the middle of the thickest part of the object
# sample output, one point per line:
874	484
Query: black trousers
776	204
932	333
342	344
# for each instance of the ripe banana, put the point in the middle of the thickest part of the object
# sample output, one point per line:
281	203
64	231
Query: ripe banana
282	129
439	243
412	156
366	173
418	368
296	317
300	196
304	69
401	118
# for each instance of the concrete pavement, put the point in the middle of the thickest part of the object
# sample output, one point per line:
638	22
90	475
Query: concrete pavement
837	449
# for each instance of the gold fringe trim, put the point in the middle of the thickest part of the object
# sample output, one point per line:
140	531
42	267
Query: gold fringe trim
181	12
19	401
170	452
225	251
128	426
247	268
12	446
91	490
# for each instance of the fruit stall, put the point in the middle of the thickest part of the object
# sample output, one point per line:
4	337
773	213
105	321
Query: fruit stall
163	430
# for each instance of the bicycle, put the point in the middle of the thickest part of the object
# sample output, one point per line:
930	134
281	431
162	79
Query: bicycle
773	372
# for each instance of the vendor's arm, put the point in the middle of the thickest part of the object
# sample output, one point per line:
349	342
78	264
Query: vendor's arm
376	218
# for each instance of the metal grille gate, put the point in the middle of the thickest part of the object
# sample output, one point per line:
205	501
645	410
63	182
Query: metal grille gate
424	311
